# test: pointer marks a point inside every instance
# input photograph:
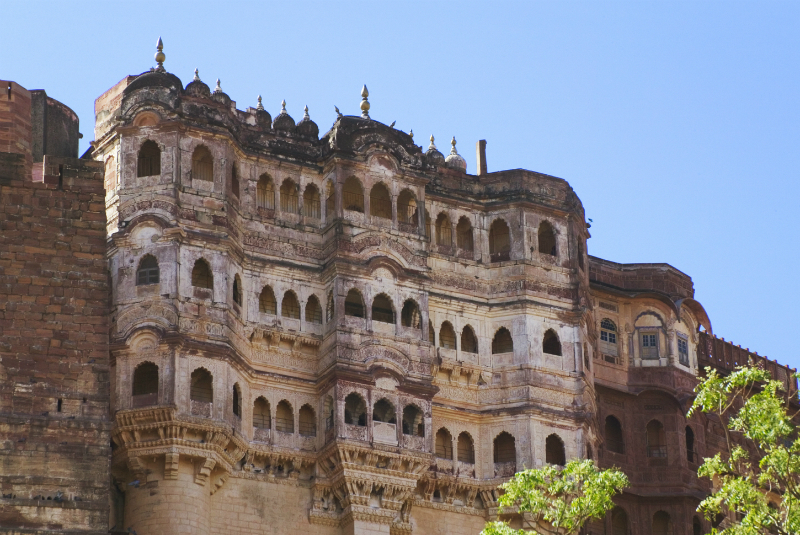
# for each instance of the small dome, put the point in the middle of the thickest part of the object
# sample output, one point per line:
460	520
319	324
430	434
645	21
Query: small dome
308	128
433	155
197	88
454	159
262	116
283	122
220	96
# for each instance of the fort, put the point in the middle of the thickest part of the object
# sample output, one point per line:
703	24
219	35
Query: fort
220	321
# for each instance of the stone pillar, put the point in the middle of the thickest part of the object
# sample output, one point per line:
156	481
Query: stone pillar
174	497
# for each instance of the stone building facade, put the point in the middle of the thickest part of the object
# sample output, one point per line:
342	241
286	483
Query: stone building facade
346	333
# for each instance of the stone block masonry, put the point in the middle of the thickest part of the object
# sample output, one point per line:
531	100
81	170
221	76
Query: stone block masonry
54	378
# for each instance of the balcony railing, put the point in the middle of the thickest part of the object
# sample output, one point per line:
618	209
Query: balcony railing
505	469
384	432
144	400
201	408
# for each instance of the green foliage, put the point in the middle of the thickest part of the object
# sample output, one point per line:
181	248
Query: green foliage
758	476
559	500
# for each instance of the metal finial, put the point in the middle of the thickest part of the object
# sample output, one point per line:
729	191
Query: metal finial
392	125
283	107
433	146
411	133
160	57
260	106
453	143
338	113
305	113
196	75
364	102
218	89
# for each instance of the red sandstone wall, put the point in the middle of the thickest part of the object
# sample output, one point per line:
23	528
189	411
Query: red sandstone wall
53	338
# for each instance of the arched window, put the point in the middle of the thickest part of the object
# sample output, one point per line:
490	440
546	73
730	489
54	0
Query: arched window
547	239
444	231
308	421
464	239
284	417
431	333
554	450
149	161
550	343
237	290
312	206
202	164
234	181
237	400
355	410
656	439
466	448
619	522
353	195
469	344
289	202
353	304
662	524
290	306
261	415
380	203
148	271
505	449
690	453
383	411
145	380
382	309
614	439
444	444
499	241
267	302
502	342
697	526
265	193
201	275
410	316
413	423
313	310
447	336
201	388
608	337
330	201
407	208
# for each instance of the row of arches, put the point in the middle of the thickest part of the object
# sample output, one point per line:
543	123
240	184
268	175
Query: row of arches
661	523
383	410
309	204
656	439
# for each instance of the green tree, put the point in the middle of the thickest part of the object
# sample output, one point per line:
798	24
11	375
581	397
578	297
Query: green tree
757	477
559	500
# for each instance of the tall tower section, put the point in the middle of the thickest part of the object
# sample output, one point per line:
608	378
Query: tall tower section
335	334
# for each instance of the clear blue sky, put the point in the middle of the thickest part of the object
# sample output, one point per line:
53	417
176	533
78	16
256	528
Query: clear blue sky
677	123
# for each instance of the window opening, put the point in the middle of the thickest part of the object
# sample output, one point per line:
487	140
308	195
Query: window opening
447	336
656	440
353	304
148	271
267	302
444	231
353	195
382	309
499	241
149	161
505	449
311	202
407	208
444	444
201	388
265	193
355	410
380	203
284	417
308	421
145	379
469	344
289	200
410	315
413	423
261	415
649	345
554	450
502	342
613	434
313	310
237	401
551	344
290	307
383	411
201	275
547	239
202	164
464	239
466	448
683	351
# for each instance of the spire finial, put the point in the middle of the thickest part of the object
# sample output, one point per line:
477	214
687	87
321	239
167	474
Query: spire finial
160	57
218	89
305	113
411	133
283	107
364	102
338	113
433	146
260	106
196	75
453	143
